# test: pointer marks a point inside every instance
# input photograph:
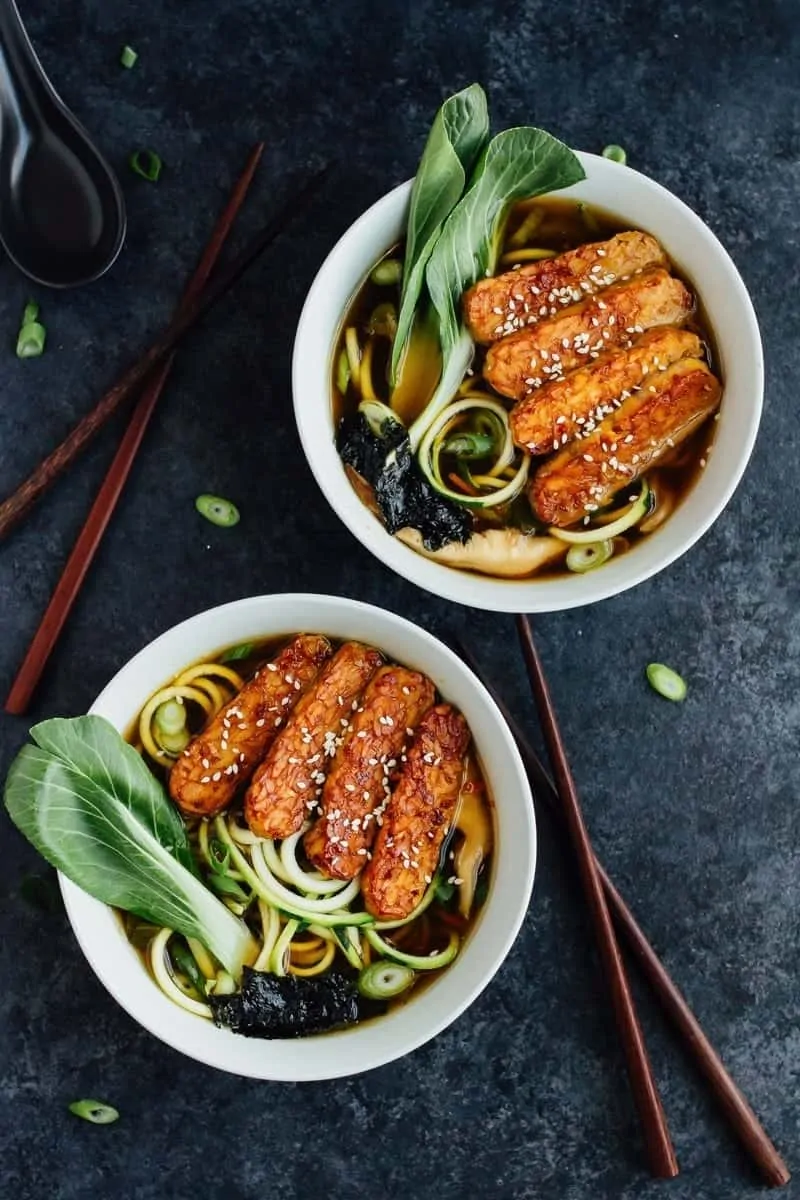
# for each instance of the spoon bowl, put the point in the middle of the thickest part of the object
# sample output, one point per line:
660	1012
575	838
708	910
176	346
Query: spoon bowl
62	213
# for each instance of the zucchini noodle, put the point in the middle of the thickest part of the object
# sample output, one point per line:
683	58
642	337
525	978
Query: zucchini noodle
303	922
163	972
491	415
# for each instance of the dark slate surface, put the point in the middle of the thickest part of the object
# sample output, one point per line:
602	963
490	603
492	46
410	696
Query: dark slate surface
694	808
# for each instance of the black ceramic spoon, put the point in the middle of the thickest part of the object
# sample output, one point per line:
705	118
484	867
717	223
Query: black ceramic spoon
62	214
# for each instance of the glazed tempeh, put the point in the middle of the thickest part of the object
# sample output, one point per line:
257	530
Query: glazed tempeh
525	361
573	407
585	475
506	303
285	787
419	814
227	752
358	786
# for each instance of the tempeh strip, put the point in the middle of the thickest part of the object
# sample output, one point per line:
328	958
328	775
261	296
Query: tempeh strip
358	787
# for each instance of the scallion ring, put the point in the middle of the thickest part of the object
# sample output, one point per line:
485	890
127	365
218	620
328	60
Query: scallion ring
31	340
387	273
585	558
94	1111
615	153
217	510
147	164
343	372
128	57
639	508
666	682
383	980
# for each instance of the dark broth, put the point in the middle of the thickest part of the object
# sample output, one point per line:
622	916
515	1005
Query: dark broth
427	933
563	226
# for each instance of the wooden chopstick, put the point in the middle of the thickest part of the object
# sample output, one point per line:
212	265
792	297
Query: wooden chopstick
663	1163
102	509
743	1121
19	504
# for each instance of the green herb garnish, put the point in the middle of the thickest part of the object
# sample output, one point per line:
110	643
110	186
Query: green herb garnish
128	57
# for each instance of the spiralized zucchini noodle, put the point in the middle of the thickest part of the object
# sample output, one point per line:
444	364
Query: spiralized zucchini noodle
302	921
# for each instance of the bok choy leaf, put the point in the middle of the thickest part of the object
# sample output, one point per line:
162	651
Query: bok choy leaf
86	800
517	164
457	136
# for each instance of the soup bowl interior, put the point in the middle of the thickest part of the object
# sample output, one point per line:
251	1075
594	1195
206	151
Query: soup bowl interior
638	202
118	965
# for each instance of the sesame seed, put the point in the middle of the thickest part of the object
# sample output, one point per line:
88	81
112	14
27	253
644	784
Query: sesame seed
205	779
216	776
206	763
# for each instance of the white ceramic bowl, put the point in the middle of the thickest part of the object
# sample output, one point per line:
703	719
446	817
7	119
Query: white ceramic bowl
346	1052
640	203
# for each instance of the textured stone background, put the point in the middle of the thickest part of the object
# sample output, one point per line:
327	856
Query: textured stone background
693	807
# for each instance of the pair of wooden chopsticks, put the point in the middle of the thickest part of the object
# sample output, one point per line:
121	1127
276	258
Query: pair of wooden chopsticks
153	370
605	899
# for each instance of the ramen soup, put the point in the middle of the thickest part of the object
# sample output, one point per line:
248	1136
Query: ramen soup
579	411
335	805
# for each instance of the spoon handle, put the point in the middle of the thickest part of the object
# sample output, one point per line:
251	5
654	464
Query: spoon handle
21	74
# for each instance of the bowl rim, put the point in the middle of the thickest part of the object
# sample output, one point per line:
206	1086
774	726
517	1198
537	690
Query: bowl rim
92	921
463	587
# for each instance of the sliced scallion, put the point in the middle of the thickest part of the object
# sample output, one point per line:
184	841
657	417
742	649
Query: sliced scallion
382	980
147	164
585	558
94	1111
32	334
615	153
217	510
387	273
128	57
237	652
343	373
666	682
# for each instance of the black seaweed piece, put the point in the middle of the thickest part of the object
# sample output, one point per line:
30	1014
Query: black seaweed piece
362	449
403	494
273	1006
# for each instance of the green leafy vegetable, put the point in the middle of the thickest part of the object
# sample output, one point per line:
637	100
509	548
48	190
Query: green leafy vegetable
85	799
517	163
457	137
237	652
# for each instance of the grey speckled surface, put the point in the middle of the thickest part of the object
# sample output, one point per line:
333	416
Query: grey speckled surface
694	808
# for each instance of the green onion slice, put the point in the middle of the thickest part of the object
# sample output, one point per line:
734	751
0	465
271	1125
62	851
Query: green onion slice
343	373
31	340
615	153
244	650
128	57
217	510
585	558
94	1111
147	164
666	682
387	273
31	313
383	980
